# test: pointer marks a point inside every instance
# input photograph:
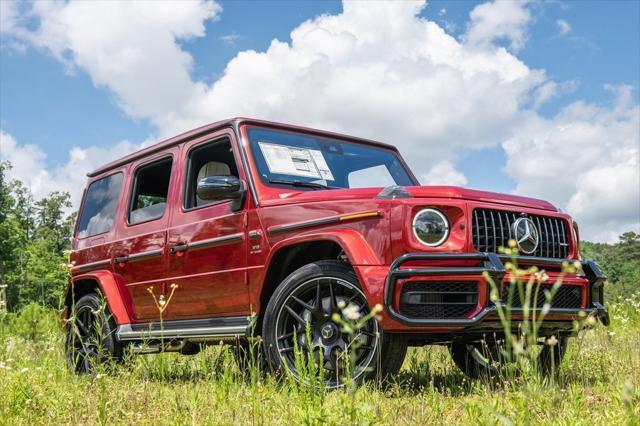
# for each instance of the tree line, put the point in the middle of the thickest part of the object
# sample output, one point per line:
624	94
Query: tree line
35	238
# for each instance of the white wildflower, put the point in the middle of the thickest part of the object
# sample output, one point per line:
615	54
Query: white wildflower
351	312
341	304
552	341
518	347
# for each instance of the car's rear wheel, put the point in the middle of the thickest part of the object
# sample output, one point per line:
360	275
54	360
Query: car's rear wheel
482	359
90	336
299	327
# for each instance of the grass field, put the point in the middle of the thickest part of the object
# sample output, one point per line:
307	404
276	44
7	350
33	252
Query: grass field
599	383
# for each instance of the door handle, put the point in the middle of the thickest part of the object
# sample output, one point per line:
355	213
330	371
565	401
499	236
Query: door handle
120	260
178	249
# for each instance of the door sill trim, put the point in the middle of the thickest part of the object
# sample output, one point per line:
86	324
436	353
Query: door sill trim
220	327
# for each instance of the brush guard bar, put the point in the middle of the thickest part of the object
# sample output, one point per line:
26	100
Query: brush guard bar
493	265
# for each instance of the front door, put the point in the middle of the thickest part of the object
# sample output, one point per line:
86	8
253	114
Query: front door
207	240
139	256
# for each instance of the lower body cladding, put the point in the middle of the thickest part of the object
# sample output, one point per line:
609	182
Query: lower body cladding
442	303
176	336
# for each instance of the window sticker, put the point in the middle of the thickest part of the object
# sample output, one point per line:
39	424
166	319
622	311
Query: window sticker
293	161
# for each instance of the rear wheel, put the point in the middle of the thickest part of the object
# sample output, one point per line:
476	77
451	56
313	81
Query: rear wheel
481	359
300	319
90	336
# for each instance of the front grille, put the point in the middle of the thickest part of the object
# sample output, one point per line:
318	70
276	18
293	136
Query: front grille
493	229
567	296
438	299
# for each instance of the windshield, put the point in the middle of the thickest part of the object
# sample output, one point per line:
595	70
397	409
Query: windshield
313	162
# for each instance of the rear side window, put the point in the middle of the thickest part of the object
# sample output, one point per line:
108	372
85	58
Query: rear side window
151	188
100	204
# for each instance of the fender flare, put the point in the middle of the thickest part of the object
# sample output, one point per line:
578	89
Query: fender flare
111	287
354	245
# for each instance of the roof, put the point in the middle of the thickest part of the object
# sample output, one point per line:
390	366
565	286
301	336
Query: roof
231	122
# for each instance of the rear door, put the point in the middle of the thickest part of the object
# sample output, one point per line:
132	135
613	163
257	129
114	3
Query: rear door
207	240
140	254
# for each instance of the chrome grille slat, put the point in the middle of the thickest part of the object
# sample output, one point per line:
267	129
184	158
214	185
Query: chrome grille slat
553	238
489	233
546	238
540	249
493	225
486	229
501	229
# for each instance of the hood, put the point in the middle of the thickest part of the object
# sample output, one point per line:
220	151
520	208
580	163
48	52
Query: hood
475	195
293	197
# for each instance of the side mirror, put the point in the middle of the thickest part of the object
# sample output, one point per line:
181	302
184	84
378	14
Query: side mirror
216	188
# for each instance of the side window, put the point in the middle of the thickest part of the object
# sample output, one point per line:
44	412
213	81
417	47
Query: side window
100	205
212	159
150	192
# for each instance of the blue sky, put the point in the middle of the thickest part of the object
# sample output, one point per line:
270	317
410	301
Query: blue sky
60	104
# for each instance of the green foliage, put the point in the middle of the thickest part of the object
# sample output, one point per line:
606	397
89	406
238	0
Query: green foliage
598	384
620	262
34	236
33	322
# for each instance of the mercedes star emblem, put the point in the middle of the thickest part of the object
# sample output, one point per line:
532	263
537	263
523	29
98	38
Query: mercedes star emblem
526	235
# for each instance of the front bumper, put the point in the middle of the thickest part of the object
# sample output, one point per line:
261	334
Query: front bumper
493	265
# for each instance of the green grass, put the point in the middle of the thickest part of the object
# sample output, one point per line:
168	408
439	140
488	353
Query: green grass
599	383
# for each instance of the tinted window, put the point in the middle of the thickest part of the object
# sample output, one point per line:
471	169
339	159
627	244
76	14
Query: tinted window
290	158
100	204
214	159
150	192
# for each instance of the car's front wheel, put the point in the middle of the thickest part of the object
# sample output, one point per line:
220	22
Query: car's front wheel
303	337
481	359
90	338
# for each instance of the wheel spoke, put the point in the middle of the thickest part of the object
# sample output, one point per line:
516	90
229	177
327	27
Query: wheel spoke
82	330
318	302
286	336
352	298
295	315
303	303
366	333
333	301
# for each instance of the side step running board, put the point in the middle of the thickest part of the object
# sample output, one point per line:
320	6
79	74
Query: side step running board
227	327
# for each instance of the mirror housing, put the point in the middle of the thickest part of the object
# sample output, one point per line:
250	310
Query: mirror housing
219	188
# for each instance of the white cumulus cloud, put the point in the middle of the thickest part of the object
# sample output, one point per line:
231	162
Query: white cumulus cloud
499	20
377	70
29	165
585	159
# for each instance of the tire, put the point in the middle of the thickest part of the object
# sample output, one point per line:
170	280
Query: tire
248	356
477	361
311	295
90	336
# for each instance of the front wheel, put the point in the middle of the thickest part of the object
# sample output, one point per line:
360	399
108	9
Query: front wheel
300	327
90	339
482	359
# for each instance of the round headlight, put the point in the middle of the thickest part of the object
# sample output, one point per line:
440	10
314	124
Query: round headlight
430	227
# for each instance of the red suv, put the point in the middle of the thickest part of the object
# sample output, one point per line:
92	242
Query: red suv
247	228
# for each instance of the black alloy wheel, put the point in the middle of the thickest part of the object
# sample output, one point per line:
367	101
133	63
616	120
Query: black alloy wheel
90	337
300	318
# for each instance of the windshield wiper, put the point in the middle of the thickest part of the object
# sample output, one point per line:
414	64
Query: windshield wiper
313	185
